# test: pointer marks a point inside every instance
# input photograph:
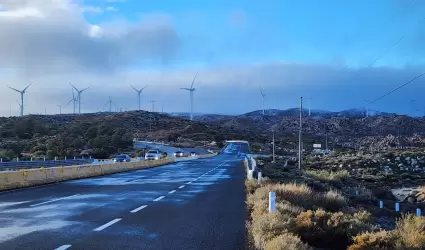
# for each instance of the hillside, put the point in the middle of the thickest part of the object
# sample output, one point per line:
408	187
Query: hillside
98	134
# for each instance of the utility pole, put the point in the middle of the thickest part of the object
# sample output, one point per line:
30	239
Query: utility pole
300	144
60	109
273	149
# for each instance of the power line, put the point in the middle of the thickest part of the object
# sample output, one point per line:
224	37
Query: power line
399	87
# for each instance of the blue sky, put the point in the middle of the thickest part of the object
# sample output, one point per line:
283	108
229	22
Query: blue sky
292	48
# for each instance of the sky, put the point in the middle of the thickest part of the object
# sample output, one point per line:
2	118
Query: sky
341	54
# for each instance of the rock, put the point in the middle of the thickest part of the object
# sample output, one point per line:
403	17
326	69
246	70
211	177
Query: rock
413	193
341	165
407	158
401	165
421	198
411	199
397	158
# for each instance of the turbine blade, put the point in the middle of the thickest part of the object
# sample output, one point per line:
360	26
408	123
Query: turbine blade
134	88
14	89
84	90
191	86
143	88
185	88
74	87
26	88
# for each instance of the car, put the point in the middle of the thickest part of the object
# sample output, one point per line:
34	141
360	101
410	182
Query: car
178	154
122	158
192	153
153	154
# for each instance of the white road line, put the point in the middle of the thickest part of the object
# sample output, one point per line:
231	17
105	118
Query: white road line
164	173
159	198
134	180
189	182
182	186
107	225
63	247
172	191
63	198
138	209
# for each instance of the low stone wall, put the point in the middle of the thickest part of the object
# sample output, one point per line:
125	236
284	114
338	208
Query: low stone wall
34	177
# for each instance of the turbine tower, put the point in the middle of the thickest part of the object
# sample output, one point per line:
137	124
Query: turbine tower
22	98
110	102
262	98
60	109
72	100
367	108
153	105
309	106
139	92
191	90
79	92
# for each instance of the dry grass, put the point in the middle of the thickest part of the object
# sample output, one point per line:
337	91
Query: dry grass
287	241
411	230
382	240
325	175
267	226
422	189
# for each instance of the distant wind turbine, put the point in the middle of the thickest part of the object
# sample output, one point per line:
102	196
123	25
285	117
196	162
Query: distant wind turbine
309	106
74	100
22	97
153	105
262	98
110	102
191	90
79	92
139	92
367	108
60	109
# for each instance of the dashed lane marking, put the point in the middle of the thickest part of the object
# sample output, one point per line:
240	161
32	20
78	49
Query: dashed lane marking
159	198
107	225
138	209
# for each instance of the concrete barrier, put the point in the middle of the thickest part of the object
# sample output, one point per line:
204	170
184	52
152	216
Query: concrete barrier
33	177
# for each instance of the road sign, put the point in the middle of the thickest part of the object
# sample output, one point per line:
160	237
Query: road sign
317	145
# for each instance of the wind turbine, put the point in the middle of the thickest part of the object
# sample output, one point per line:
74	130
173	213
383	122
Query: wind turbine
262	98
60	109
309	106
72	100
153	105
367	108
79	92
139	92
110	102
191	90
22	97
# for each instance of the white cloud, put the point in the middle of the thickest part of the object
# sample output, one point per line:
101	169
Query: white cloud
52	37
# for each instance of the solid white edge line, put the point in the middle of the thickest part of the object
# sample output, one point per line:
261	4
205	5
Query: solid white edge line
172	191
159	198
63	247
63	198
107	225
138	209
189	182
182	186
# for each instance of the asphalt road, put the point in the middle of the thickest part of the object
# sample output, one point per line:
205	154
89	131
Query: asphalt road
197	204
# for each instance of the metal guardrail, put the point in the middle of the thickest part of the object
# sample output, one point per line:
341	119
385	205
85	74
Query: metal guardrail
46	164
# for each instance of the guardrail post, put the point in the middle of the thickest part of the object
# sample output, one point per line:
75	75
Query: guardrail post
418	212
17	158
381	204
31	158
397	207
65	158
74	157
90	157
259	178
56	158
1	159
272	202
44	158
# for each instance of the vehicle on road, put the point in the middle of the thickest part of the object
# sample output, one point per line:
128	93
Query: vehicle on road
122	158
153	154
178	154
192	153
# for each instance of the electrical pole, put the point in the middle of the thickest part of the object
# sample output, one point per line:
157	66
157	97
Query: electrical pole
153	105
309	106
273	149
300	144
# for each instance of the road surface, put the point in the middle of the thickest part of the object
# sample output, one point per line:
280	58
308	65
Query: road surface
197	204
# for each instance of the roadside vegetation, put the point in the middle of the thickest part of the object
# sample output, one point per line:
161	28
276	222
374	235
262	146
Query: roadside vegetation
327	208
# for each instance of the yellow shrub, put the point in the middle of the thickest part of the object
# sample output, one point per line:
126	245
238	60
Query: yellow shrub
381	240
411	230
287	242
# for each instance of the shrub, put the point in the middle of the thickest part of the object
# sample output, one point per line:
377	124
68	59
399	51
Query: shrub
325	229
250	186
267	226
411	230
287	241
381	240
328	175
334	200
